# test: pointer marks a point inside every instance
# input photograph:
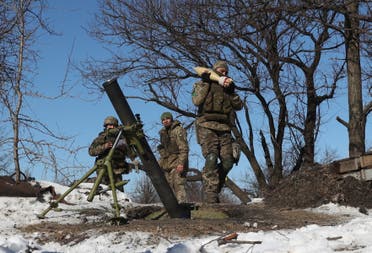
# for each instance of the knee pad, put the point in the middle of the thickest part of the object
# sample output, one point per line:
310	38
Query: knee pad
227	164
211	161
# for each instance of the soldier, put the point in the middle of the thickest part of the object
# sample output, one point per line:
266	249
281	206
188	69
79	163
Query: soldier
174	151
101	146
216	100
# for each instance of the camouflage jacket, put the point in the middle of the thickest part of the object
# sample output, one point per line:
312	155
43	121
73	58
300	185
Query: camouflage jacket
215	103
174	148
97	147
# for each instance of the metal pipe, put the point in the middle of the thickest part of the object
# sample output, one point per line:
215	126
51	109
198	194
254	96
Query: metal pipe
153	170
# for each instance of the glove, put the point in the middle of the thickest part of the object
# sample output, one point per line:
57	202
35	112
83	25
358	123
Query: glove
230	89
205	76
236	152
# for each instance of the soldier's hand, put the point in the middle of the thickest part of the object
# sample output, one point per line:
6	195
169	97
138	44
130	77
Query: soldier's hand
179	168
228	82
225	81
205	76
108	145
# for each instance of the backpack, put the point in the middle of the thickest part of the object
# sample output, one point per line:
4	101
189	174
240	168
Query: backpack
200	92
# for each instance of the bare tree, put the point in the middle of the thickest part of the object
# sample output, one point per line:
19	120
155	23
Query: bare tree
31	140
275	51
329	155
354	27
352	31
250	185
356	127
145	192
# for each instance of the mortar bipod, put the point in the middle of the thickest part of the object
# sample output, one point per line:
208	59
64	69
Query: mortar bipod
107	168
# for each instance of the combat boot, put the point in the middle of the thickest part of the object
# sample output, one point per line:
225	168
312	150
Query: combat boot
211	198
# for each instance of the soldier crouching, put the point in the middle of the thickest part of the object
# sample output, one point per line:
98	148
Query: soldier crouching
101	146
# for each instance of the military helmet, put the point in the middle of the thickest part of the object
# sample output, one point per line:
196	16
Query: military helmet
110	120
166	115
221	64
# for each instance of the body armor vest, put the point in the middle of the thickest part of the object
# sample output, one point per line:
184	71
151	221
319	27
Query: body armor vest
170	146
217	104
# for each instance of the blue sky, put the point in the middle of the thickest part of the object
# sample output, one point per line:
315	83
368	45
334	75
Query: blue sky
72	116
84	119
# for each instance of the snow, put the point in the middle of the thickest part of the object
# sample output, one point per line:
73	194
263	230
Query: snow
352	236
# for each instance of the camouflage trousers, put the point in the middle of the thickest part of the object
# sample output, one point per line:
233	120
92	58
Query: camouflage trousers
216	145
177	181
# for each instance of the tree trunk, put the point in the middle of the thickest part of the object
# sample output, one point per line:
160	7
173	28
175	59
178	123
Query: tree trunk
309	128
356	127
19	95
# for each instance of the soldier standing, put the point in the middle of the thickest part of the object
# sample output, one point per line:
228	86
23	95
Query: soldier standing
216	100
174	151
101	146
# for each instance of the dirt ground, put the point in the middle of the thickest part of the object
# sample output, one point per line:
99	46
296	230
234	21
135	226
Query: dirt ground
282	208
239	218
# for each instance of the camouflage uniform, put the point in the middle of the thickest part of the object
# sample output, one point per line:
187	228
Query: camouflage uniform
215	104
118	162
174	150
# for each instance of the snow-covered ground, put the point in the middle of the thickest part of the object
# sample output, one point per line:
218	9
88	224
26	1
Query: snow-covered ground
353	236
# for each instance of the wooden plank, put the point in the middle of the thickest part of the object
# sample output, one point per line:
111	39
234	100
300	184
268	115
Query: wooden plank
366	161
348	165
358	167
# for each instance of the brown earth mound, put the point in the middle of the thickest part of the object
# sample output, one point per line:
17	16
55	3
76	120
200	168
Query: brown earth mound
313	188
9	188
24	188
